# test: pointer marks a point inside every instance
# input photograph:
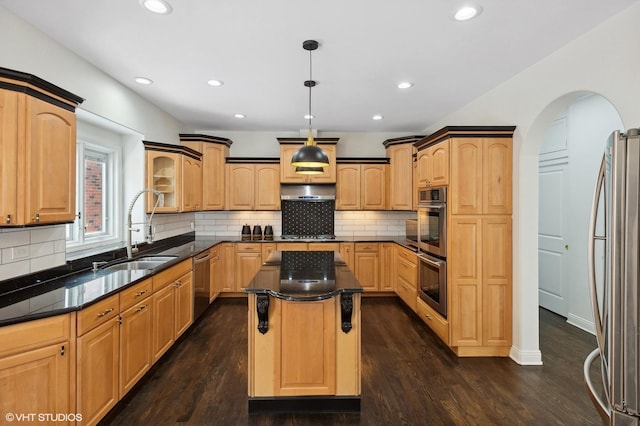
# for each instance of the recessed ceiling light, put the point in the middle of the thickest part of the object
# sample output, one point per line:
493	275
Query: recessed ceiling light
404	85
143	80
215	83
377	117
157	6
308	116
239	115
467	12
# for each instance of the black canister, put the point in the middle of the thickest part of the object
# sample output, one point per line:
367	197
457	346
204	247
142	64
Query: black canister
268	232
246	233
257	232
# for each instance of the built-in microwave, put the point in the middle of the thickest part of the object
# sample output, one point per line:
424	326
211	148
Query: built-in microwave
431	222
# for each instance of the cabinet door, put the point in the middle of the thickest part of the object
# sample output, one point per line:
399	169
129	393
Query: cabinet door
267	249
191	184
287	171
497	159
37	381
372	181
348	254
163	313
387	263
213	176
247	264
348	187
439	172
496	277
329	175
9	157
466	176
267	187
423	164
464	266
401	177
50	178
164	174
367	270
98	360
241	187
228	277
135	344
184	304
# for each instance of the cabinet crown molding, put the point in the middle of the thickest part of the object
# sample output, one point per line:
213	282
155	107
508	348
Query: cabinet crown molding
166	147
465	132
195	137
32	85
297	141
402	140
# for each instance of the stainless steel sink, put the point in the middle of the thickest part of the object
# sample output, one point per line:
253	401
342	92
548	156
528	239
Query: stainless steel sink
146	262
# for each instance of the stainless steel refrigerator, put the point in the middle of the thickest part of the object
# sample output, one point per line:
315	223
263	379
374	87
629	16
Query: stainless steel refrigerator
614	268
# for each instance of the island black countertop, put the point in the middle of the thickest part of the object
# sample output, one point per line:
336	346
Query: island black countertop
304	276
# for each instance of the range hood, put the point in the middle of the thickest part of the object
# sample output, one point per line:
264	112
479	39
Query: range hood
307	192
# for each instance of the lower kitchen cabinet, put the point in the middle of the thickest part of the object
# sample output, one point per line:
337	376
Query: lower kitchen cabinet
98	360
135	344
163	312
227	268
37	366
434	320
347	253
184	303
215	273
387	263
367	265
406	270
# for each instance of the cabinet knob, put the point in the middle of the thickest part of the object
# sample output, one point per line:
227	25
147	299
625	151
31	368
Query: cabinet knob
8	219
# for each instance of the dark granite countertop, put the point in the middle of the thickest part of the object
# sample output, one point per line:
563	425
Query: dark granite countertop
304	275
74	286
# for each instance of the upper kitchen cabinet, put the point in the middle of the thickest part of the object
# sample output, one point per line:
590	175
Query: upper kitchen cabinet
432	164
176	172
361	183
37	151
215	151
253	184
400	188
481	173
288	146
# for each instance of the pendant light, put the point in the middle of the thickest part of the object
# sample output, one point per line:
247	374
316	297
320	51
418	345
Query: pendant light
309	170
310	155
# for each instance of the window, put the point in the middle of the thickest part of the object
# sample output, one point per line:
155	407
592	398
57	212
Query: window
97	195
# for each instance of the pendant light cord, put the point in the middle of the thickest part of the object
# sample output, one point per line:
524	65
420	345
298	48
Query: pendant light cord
310	86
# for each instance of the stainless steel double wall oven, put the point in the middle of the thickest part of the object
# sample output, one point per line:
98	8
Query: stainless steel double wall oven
428	233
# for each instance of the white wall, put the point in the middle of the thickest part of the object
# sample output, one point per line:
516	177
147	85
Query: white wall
602	61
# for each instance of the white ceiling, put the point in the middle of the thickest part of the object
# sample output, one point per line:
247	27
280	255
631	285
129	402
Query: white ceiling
366	48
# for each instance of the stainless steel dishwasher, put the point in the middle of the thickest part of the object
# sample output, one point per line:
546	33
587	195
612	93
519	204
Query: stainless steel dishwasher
201	283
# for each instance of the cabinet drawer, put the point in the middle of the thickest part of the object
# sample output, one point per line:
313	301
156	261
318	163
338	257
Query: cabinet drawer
435	321
407	292
98	313
34	334
408	255
323	246
215	253
248	248
408	272
133	295
366	247
292	246
166	277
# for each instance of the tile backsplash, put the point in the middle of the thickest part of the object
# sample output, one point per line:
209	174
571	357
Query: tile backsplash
27	250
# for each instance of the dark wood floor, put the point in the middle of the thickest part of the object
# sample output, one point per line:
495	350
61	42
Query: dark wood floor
408	377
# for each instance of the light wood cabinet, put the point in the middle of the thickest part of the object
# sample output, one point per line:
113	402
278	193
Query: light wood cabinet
367	265
37	366
433	165
135	344
288	146
253	186
479	275
347	251
361	187
434	320
227	267
481	176
387	266
184	303
176	172
37	152
292	246
400	182
406	269
163	311
216	273
323	246
248	261
215	151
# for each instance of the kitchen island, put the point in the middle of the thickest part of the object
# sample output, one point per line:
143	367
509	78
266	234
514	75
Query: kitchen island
304	334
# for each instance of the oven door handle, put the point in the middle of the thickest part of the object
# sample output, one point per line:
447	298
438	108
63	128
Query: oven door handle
430	261
432	206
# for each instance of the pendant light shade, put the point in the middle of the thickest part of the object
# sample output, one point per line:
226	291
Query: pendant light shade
310	158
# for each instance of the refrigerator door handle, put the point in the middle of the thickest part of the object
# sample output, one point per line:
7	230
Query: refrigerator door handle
601	404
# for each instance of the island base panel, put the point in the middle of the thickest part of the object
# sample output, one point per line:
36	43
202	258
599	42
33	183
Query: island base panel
304	404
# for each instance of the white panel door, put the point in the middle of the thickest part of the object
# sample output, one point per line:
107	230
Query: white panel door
554	212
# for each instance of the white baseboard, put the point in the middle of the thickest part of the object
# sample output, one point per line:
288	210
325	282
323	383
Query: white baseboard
581	323
525	357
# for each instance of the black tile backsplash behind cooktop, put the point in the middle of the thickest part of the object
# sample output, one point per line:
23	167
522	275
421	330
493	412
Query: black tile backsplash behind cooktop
307	217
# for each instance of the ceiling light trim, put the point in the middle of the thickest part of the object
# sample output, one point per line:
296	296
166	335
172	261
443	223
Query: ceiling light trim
160	7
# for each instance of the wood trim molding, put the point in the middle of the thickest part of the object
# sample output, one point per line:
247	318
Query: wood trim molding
363	160
465	132
402	140
194	137
252	160
35	86
297	141
178	149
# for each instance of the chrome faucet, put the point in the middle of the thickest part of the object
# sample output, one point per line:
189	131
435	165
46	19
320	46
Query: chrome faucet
130	228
